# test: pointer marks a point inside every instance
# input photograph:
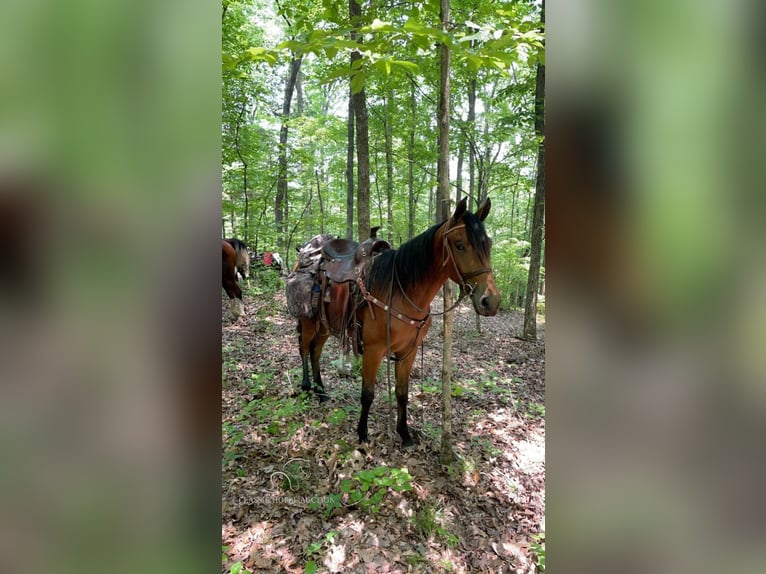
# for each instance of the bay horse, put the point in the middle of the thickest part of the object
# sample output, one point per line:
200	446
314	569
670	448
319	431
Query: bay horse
395	309
229	281
243	257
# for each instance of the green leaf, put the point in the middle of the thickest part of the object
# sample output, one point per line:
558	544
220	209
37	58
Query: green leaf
310	568
313	547
404	64
358	81
330	52
346	485
236	568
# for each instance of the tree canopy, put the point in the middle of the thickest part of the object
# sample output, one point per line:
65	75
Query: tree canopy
495	50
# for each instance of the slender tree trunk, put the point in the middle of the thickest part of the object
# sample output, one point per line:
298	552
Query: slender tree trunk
281	199
459	175
514	195
411	164
447	454
321	205
362	139
363	167
237	148
484	164
389	168
299	94
527	212
530	304
472	144
377	184
350	170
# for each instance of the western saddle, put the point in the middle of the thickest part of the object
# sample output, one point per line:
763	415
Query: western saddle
343	263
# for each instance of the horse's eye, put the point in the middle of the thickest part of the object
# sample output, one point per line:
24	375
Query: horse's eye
459	245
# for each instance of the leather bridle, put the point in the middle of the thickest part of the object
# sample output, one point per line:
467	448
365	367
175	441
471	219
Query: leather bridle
465	287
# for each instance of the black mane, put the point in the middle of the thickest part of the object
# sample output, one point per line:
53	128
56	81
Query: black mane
414	258
237	244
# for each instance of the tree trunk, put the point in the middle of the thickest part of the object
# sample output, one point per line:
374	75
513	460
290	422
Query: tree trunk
447	454
459	175
237	148
411	164
377	182
350	170
471	128
530	304
363	166
362	139
389	168
299	94
281	199
321	205
485	164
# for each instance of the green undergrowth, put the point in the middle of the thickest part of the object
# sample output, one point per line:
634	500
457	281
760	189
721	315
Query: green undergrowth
366	489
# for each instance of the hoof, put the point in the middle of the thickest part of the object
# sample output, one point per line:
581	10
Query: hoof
410	440
323	397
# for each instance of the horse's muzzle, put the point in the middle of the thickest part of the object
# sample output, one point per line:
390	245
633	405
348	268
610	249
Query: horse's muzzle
486	298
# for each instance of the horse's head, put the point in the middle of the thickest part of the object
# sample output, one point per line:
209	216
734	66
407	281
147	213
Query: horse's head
467	256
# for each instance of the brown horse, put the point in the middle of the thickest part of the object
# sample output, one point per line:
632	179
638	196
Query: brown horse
236	305
243	257
396	298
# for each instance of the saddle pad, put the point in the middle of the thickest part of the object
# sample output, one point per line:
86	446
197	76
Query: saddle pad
302	295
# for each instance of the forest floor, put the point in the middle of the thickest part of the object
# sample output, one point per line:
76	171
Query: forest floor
300	495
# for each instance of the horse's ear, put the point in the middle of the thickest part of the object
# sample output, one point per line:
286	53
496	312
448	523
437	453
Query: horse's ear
460	209
483	210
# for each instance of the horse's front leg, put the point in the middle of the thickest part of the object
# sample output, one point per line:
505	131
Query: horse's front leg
370	363
402	396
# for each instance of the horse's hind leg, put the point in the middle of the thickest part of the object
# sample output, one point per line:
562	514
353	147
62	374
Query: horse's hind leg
306	335
316	352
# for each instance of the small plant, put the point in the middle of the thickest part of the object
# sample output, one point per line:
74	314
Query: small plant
314	548
237	568
530	410
538	550
337	416
232	435
368	487
416	559
431	385
259	382
536	410
427	522
293	475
